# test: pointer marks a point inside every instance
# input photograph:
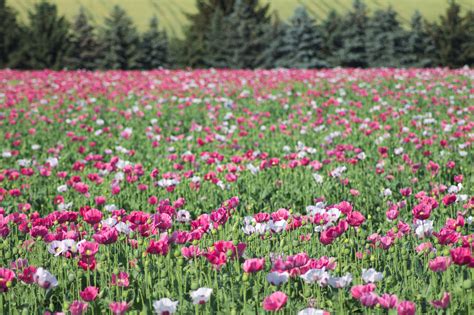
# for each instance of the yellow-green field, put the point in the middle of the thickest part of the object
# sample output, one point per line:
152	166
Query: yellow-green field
172	18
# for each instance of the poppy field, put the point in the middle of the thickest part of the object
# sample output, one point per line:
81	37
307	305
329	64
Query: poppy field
338	191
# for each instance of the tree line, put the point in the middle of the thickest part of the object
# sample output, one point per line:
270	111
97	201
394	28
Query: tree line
236	34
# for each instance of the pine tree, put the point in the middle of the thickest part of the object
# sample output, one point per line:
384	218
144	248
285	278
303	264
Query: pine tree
154	47
121	42
332	37
467	55
10	31
420	47
450	37
353	51
275	35
46	41
195	44
386	40
246	29
85	50
302	44
194	50
216	39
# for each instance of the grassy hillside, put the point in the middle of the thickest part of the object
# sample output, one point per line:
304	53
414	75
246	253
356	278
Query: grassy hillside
171	12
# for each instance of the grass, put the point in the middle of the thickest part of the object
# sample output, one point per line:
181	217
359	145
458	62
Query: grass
172	12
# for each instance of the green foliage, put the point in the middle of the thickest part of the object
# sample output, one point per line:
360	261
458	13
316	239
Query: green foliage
237	34
353	52
332	37
85	50
302	43
386	40
420	47
154	47
121	42
452	36
275	38
246	34
10	31
46	41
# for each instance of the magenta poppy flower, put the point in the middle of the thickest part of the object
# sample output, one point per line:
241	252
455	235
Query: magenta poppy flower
89	294
253	265
119	308
6	278
275	301
461	255
388	301
443	303
78	308
406	308
439	264
121	279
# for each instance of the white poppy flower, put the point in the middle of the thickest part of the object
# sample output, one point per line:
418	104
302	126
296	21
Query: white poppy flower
340	282
45	279
165	306
277	278
312	311
320	276
201	295
371	275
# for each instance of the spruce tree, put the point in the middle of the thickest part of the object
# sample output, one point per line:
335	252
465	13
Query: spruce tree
47	38
302	44
275	36
85	50
420	47
332	38
467	55
10	32
195	44
353	51
450	37
154	47
246	29
386	40
194	50
217	41
121	42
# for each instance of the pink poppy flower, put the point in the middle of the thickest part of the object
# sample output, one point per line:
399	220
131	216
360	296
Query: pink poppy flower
388	301
118	308
443	303
121	279
78	308
439	264
6	278
406	308
275	301
89	294
254	265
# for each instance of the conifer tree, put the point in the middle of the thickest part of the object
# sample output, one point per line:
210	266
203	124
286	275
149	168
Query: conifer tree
302	44
332	37
154	47
84	52
467	55
194	50
121	42
386	40
450	37
217	41
46	41
420	46
10	32
272	53
353	51
246	28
